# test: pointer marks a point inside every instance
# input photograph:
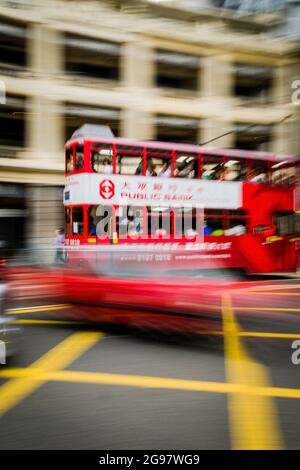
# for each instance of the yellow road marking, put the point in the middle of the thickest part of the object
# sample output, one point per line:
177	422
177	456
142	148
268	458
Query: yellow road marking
46	322
252	334
139	381
261	334
209	333
211	307
14	391
289	294
279	287
267	309
122	380
20	311
253	418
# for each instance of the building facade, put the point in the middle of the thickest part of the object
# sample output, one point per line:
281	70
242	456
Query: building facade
150	71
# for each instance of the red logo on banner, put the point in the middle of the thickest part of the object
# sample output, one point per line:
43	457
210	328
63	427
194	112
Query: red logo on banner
107	189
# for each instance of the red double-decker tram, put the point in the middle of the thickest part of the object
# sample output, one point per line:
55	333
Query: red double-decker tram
180	206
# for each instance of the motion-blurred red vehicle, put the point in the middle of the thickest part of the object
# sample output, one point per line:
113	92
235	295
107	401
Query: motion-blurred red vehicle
166	302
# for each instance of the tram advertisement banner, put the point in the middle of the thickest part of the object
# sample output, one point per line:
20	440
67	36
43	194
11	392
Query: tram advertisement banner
131	190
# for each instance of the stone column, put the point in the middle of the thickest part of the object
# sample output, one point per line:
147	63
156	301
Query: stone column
44	124
138	65
216	77
138	74
284	76
286	138
45	133
137	124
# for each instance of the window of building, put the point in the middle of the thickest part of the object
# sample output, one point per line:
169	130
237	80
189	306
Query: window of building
12	125
177	129
78	115
177	71
12	45
253	82
253	137
88	58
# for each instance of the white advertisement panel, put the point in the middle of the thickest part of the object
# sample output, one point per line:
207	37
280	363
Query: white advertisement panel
130	190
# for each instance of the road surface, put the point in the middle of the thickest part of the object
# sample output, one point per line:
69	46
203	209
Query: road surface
77	386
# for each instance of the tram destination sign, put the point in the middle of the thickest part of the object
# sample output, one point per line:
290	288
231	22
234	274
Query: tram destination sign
130	190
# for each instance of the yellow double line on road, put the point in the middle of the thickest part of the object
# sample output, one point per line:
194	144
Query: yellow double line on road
29	310
37	309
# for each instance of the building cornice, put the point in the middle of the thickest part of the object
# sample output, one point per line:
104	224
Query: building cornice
207	29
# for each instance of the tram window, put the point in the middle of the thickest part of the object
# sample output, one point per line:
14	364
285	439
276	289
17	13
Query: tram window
69	160
130	160
159	222
150	167
100	221
163	168
214	222
237	213
234	170
186	222
67	221
130	220
130	165
161	161
77	215
287	223
285	175
259	172
101	159
212	168
186	166
215	172
79	161
236	222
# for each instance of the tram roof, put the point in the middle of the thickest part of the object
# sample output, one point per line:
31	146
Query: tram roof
189	148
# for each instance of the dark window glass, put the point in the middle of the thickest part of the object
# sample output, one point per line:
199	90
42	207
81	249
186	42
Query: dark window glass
77	221
79	158
69	160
